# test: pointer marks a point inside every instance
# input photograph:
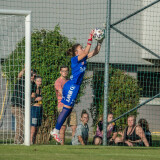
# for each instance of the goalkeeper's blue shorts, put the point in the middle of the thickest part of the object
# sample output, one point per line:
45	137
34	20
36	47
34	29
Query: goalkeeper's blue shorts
69	94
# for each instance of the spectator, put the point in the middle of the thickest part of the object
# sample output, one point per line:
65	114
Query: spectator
133	135
36	109
111	131
81	135
145	126
33	75
72	119
33	85
17	101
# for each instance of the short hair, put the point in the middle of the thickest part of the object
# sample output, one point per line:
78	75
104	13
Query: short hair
36	77
33	71
110	113
64	66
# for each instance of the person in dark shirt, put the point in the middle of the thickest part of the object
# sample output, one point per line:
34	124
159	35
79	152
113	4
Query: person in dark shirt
17	101
18	104
36	108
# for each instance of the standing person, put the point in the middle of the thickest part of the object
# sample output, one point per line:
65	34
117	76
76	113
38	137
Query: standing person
111	131
72	119
71	88
81	135
36	109
33	75
17	101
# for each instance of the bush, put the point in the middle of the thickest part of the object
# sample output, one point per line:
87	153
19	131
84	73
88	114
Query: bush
124	94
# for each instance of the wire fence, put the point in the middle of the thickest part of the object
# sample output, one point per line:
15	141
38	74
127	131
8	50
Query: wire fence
132	48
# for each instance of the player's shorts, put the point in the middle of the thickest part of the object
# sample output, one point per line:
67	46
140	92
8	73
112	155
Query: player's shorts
71	120
36	116
70	92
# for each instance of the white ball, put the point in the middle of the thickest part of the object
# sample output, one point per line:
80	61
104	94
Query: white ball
98	34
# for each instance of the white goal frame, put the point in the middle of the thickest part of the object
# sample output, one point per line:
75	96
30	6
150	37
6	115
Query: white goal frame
27	15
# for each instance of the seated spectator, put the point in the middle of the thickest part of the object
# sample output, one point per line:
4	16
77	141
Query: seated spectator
133	135
145	126
81	134
36	109
111	131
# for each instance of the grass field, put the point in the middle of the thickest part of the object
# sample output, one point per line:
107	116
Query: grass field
57	152
69	152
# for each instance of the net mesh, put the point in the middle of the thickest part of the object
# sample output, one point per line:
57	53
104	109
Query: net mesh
11	31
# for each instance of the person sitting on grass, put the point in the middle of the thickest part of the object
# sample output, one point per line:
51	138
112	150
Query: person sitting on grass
81	135
133	135
111	131
145	126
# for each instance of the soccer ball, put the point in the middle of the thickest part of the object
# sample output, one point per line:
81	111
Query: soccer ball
98	34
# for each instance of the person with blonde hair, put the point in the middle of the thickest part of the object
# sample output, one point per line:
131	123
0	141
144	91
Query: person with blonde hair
133	135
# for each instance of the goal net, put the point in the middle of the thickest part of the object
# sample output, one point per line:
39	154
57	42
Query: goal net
14	26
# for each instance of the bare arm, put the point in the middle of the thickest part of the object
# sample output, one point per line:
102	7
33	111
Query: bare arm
95	51
81	140
33	95
21	73
38	99
87	49
114	136
140	133
85	53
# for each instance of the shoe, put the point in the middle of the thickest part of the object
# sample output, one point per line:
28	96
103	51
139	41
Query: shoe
55	136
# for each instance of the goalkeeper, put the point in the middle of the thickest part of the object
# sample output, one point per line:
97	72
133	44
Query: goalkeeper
71	88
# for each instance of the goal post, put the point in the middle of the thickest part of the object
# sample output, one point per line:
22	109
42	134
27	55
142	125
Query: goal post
27	15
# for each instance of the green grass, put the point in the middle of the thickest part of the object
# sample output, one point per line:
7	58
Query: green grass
68	152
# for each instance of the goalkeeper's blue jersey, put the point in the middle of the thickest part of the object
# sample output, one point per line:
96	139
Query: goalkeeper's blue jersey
78	69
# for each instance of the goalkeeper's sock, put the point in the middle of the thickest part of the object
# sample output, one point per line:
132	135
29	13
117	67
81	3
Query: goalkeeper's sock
62	117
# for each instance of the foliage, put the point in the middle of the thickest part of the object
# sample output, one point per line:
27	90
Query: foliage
124	94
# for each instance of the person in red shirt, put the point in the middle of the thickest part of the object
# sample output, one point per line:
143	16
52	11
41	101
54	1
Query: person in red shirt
72	119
